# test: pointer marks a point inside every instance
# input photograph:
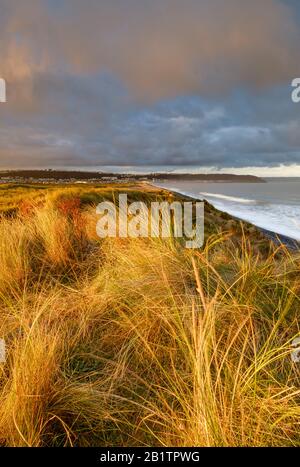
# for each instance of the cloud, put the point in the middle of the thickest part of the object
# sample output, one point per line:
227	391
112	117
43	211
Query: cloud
185	132
138	82
160	48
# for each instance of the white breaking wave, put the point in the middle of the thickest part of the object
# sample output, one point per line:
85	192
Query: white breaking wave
276	217
229	198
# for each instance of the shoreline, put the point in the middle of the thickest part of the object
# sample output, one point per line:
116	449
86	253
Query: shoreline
275	237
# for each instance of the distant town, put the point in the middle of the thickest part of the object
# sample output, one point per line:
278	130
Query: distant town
61	177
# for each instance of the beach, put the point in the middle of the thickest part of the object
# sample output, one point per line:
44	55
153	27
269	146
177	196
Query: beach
267	207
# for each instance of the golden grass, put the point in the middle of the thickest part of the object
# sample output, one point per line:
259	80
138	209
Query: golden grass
141	342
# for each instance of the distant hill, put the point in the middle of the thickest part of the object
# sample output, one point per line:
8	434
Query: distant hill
79	175
211	178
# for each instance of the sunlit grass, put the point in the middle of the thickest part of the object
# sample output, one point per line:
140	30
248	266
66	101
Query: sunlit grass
142	342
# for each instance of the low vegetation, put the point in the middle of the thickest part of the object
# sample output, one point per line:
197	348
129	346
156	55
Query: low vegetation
141	342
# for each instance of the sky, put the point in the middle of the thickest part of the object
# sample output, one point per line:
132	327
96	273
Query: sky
139	85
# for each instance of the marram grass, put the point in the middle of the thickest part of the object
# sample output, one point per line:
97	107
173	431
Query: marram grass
141	342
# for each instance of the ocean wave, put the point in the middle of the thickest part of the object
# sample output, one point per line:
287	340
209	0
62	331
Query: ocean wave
277	218
234	199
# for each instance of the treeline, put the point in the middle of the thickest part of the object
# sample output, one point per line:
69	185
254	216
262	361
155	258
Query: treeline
80	175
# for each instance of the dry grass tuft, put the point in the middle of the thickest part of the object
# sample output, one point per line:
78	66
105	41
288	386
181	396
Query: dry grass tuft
141	342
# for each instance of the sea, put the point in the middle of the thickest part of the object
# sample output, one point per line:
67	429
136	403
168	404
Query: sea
273	205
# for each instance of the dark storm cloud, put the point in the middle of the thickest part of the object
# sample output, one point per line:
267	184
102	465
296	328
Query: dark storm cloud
162	83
